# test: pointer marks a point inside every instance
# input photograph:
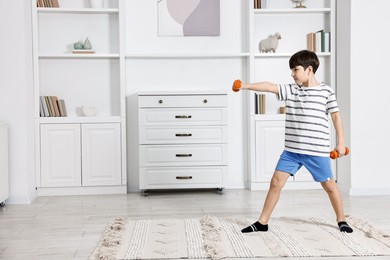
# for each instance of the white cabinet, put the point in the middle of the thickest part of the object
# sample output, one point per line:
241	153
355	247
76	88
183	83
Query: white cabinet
80	155
77	150
4	173
266	131
182	140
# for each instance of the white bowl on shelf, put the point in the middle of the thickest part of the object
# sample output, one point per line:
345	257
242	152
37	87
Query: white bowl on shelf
88	110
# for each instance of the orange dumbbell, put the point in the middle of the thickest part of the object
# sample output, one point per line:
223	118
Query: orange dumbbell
237	85
335	154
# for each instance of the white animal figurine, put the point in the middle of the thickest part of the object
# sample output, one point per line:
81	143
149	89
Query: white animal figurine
270	44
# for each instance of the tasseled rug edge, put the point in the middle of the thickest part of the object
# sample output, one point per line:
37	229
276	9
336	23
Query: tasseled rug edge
369	230
111	239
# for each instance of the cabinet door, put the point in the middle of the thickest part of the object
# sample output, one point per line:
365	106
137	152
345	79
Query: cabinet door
101	153
60	155
269	146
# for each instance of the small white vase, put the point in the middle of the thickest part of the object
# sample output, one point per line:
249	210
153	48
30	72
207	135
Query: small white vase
88	110
96	3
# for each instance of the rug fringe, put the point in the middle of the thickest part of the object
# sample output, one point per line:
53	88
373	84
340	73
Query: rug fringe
111	239
369	230
211	231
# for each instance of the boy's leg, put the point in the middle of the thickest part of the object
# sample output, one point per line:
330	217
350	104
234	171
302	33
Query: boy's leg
277	183
334	194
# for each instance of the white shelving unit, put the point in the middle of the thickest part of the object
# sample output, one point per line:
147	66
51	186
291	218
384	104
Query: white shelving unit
96	79
266	131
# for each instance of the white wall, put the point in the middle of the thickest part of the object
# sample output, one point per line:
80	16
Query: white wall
362	88
363	93
16	96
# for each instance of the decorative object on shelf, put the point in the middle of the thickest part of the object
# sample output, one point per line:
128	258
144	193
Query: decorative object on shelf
270	44
88	110
80	47
87	44
299	3
96	3
188	18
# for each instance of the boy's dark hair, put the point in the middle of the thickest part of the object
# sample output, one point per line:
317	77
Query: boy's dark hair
305	58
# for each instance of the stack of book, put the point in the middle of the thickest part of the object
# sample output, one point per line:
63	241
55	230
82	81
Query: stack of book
259	103
51	106
48	3
257	4
318	41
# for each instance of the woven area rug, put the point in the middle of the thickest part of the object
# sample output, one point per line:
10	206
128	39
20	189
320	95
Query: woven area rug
216	238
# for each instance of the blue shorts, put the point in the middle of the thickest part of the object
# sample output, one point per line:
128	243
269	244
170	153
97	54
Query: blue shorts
319	167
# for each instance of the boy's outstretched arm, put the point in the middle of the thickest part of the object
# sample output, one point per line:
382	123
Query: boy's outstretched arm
337	123
259	86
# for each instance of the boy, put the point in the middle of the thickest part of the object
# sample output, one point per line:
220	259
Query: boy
307	135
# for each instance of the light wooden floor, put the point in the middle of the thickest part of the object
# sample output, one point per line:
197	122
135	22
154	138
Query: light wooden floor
70	227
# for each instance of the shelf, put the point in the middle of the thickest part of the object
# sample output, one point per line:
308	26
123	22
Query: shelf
286	54
80	119
186	55
79	56
292	11
269	117
54	10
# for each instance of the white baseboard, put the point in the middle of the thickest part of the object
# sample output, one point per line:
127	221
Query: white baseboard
369	191
65	191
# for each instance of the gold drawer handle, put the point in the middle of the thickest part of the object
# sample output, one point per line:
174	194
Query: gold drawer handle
184	155
183	177
183	116
183	135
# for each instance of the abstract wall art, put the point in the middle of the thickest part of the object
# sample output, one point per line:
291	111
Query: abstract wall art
188	17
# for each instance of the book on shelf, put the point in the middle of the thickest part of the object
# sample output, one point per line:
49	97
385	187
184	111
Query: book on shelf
259	103
61	106
257	4
311	41
45	110
55	105
51	106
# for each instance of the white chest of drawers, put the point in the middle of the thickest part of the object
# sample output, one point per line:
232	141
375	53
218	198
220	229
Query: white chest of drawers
182	140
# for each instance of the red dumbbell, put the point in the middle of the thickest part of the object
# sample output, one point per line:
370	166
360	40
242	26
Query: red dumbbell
237	85
335	154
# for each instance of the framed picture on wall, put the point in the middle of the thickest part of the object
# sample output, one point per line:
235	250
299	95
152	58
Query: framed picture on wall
188	17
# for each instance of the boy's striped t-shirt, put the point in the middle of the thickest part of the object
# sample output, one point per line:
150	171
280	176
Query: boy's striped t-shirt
307	129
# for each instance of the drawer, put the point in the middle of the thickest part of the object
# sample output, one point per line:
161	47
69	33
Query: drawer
204	116
182	177
183	155
166	101
180	135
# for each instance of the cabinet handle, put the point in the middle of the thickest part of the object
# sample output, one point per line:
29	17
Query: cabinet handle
205	101
184	155
160	101
183	177
183	135
183	116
